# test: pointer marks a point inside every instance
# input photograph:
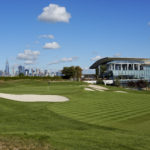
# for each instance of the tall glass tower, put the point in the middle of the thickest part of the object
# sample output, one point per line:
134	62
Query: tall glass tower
7	69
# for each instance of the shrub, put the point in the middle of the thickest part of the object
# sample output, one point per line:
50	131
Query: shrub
99	81
31	77
141	84
138	84
131	84
117	82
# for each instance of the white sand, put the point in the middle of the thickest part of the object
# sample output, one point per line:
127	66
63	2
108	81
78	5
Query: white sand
121	92
34	98
91	82
97	87
100	90
88	89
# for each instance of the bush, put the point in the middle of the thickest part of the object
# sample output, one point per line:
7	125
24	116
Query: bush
99	81
138	84
31	77
117	82
141	84
131	84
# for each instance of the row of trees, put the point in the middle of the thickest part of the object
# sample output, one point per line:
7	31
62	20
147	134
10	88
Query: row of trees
32	78
73	72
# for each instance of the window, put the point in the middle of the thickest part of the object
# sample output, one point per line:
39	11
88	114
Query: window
108	67
118	67
141	67
112	66
130	66
124	66
135	66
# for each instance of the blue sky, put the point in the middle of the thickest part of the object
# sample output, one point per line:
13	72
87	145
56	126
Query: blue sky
86	30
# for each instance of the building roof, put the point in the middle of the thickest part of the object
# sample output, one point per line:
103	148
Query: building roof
109	59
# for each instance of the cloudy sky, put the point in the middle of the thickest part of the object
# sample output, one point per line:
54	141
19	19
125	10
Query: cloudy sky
50	34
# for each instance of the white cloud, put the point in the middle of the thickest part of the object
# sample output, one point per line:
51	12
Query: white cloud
54	13
63	60
148	23
29	56
53	45
47	36
96	58
29	62
54	63
68	59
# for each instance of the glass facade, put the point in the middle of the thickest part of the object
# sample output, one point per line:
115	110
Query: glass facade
129	69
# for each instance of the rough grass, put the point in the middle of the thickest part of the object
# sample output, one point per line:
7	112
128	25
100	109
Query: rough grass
18	143
89	121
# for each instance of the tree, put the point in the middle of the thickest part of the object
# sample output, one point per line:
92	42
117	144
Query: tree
97	73
68	72
103	68
78	73
74	72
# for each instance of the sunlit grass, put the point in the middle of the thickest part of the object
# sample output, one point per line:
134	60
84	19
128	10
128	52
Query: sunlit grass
90	120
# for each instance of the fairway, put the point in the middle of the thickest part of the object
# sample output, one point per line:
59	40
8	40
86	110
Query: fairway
90	120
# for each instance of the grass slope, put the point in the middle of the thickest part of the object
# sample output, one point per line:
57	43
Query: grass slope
89	121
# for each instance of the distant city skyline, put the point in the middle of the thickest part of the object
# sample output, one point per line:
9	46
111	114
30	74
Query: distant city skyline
11	70
53	34
22	70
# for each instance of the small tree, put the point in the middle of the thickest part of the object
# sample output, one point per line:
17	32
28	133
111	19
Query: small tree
78	73
103	68
68	72
97	73
117	82
72	72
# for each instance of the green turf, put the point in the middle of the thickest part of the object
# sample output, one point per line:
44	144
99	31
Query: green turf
89	121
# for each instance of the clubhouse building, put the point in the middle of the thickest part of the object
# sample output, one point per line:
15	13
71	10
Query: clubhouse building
122	68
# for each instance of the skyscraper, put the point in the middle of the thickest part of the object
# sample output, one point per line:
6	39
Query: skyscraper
7	69
26	72
21	69
1	73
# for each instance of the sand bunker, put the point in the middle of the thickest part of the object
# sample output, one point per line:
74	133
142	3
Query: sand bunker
88	89
121	92
98	88
34	98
